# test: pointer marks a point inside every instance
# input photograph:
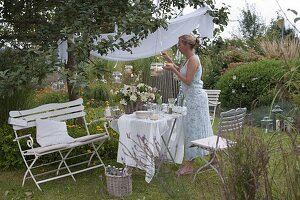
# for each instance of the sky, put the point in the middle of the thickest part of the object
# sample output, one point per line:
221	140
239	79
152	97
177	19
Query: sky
267	9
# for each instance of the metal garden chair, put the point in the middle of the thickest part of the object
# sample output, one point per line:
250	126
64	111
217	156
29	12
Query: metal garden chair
230	121
213	103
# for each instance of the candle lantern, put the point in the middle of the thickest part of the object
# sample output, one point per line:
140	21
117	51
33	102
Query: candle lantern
128	69
117	77
156	69
267	124
277	122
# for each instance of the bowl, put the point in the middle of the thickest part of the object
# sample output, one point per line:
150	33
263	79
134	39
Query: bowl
142	114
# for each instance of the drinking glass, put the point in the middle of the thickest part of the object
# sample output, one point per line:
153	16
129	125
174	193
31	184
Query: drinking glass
171	101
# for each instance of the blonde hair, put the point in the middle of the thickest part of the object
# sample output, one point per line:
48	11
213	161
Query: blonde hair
190	40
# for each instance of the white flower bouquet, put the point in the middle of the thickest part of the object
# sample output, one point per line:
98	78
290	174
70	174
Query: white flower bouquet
133	97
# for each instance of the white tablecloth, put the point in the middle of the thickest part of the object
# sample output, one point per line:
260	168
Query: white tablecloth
141	141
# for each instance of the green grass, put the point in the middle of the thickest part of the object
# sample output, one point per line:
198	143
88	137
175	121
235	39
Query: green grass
91	185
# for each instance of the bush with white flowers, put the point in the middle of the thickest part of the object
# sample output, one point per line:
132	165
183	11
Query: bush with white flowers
137	93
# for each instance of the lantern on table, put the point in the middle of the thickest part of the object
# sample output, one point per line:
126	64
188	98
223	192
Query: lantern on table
156	69
117	77
128	69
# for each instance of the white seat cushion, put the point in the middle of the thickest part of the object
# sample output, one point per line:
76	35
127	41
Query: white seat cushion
89	137
97	139
50	132
210	143
40	150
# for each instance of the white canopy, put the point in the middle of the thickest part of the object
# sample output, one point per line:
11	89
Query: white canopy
161	39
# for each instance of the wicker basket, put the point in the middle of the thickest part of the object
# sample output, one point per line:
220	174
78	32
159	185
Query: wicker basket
119	186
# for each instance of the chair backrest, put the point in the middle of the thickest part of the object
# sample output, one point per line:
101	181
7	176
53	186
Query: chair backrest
23	119
213	96
213	102
232	120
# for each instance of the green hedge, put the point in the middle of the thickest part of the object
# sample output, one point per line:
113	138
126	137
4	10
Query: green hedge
10	156
18	100
100	92
254	81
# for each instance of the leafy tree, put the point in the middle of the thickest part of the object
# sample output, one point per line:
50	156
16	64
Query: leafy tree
20	71
42	23
277	30
251	26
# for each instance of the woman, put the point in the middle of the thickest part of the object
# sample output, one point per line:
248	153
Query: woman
197	121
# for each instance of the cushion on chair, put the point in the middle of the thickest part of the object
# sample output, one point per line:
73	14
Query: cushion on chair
40	150
89	137
97	139
50	132
210	143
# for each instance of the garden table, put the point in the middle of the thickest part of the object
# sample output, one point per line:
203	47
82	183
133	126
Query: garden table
142	141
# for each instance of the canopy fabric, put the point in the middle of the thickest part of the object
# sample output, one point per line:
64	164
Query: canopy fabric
161	39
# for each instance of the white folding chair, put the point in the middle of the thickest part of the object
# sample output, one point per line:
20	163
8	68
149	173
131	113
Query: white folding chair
213	103
62	143
230	121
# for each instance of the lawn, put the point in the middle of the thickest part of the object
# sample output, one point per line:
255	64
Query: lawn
92	185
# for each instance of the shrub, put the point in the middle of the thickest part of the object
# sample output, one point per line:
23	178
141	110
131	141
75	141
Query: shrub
254	81
277	48
246	166
222	54
210	77
97	91
21	71
18	100
260	166
10	156
48	95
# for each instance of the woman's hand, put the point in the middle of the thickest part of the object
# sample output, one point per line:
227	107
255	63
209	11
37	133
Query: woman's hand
165	56
169	67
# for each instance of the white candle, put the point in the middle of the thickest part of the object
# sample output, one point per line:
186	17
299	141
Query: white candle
107	112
